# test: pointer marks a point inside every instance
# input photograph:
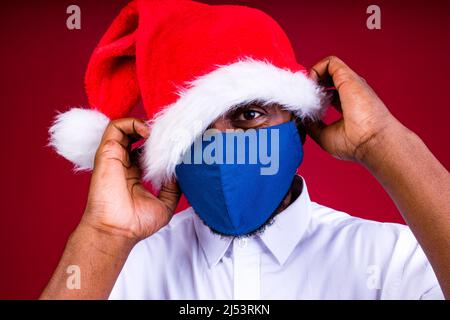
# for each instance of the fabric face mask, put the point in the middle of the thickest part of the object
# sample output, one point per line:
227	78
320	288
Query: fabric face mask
236	180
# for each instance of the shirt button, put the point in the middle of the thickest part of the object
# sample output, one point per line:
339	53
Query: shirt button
242	242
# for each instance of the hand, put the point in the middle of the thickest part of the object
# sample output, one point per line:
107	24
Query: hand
364	116
368	133
118	204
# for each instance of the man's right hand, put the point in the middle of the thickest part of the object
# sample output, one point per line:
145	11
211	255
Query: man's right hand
119	213
118	204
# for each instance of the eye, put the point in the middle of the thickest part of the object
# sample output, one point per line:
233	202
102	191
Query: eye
249	115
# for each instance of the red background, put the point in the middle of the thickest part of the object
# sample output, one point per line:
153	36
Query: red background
42	67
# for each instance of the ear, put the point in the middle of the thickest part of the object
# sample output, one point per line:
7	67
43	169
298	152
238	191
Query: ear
111	81
301	129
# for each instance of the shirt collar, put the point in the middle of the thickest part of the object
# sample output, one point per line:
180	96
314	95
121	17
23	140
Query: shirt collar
281	237
214	245
288	228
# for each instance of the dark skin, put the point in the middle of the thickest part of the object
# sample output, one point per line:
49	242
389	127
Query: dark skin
120	211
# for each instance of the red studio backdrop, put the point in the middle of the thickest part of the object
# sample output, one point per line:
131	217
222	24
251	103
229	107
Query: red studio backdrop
42	68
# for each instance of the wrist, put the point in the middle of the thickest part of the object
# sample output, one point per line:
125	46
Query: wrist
392	135
99	258
102	241
101	221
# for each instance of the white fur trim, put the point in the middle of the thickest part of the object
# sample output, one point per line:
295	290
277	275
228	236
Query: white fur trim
208	97
76	135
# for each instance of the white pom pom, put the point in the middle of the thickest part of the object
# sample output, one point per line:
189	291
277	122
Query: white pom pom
76	135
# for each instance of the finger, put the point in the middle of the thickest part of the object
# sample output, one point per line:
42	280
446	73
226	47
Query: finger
314	75
112	152
122	129
115	142
133	178
332	71
324	134
170	194
326	67
333	67
134	173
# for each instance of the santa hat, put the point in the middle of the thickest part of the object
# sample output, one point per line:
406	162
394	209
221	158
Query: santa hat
190	63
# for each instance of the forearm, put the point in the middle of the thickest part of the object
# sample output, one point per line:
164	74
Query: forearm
98	256
420	187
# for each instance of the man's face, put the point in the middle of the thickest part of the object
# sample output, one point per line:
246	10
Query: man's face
254	116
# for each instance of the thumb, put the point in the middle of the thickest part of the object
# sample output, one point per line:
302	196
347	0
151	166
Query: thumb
170	194
330	137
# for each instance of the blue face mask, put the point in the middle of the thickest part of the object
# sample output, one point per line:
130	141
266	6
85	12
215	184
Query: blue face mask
236	180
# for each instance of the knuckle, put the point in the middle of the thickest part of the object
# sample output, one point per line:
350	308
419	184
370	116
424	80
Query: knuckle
333	58
114	122
338	63
342	75
111	125
111	144
109	148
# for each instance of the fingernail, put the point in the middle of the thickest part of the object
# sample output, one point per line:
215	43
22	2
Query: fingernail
144	130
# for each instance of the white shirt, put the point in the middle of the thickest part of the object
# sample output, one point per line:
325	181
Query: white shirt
309	252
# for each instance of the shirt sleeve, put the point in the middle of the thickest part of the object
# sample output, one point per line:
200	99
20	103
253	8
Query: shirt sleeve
119	290
127	286
138	279
417	278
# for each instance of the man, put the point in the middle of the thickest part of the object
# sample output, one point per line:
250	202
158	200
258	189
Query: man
130	245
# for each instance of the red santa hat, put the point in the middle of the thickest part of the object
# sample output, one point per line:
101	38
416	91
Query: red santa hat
190	63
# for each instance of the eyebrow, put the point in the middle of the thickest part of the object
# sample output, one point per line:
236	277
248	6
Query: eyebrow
249	105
